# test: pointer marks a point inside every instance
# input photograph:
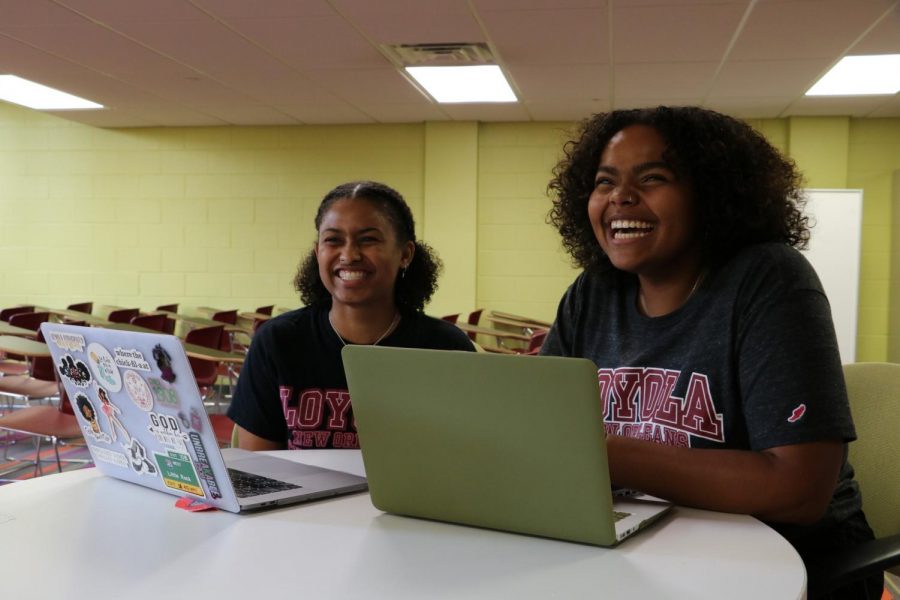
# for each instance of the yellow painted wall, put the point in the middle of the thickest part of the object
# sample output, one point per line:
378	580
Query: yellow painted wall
222	216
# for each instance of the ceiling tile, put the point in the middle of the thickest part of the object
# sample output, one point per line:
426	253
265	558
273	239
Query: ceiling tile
746	108
767	78
360	86
792	30
677	79
486	112
697	33
540	37
884	37
541	83
856	106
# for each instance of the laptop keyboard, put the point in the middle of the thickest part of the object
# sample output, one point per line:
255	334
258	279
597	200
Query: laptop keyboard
247	484
618	515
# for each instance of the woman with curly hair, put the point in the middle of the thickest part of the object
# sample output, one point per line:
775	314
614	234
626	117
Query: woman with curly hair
717	359
366	281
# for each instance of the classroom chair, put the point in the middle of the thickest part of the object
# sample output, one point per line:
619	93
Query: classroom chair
874	392
157	322
122	315
85	307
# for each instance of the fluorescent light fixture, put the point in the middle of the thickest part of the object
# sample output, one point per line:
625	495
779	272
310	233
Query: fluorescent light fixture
479	83
34	95
860	76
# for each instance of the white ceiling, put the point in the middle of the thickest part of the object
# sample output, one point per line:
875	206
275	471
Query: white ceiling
273	62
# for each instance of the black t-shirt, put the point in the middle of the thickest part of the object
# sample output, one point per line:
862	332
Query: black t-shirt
292	386
750	361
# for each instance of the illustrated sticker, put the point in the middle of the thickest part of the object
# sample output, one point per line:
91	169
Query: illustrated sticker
104	367
178	473
165	394
112	413
72	342
139	461
196	421
203	467
86	408
109	456
138	390
164	362
75	371
131	359
167	432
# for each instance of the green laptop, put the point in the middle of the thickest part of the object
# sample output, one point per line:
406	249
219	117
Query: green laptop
514	443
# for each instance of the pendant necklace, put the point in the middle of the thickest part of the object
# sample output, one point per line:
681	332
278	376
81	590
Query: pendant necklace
643	304
375	343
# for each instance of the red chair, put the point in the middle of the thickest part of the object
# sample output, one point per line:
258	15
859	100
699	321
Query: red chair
473	319
206	372
84	307
56	423
123	315
156	322
172	308
537	340
6	313
265	310
451	318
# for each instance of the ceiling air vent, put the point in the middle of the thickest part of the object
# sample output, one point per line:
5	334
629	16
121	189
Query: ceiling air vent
449	54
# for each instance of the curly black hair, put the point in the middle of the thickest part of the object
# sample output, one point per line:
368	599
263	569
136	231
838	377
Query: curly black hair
745	191
418	283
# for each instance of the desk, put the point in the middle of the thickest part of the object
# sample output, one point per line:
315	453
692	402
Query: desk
24	347
82	535
497	333
7	329
512	317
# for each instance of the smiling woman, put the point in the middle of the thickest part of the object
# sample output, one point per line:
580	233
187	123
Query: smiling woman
366	281
717	361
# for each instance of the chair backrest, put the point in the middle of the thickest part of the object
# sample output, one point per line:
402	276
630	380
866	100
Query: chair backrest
265	310
6	313
42	367
168	307
157	322
205	371
536	341
874	392
29	320
451	318
123	315
228	317
473	319
85	307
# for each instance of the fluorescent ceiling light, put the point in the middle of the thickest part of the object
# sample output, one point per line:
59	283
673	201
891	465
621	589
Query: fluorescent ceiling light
34	95
860	76
480	83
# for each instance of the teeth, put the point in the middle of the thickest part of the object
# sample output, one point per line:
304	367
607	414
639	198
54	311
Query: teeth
623	224
619	235
351	275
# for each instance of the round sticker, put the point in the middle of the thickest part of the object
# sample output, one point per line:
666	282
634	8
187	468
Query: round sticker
104	367
138	390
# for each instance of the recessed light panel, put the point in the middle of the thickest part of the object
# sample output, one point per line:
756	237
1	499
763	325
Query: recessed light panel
860	76
478	83
34	95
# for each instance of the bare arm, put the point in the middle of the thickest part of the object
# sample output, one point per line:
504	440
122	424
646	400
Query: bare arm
790	484
249	441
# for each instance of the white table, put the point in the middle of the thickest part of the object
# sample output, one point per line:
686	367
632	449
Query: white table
82	535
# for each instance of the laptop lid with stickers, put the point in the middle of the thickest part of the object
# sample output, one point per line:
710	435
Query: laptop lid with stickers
514	443
143	419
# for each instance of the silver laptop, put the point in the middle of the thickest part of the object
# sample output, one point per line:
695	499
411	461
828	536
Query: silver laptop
137	401
514	443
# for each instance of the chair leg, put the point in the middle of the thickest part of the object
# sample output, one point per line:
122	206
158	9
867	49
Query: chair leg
38	467
55	441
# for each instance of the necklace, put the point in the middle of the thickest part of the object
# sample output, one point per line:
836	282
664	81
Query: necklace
643	303
375	343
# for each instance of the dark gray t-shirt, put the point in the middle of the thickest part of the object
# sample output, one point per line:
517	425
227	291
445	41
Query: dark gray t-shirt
749	362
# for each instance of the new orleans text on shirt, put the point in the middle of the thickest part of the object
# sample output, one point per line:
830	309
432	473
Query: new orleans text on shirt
638	402
320	418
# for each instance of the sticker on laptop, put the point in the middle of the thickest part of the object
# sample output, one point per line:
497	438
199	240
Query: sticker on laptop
109	456
178	472
203	466
73	342
138	390
139	461
164	393
166	431
75	371
104	367
164	362
92	430
131	358
112	413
